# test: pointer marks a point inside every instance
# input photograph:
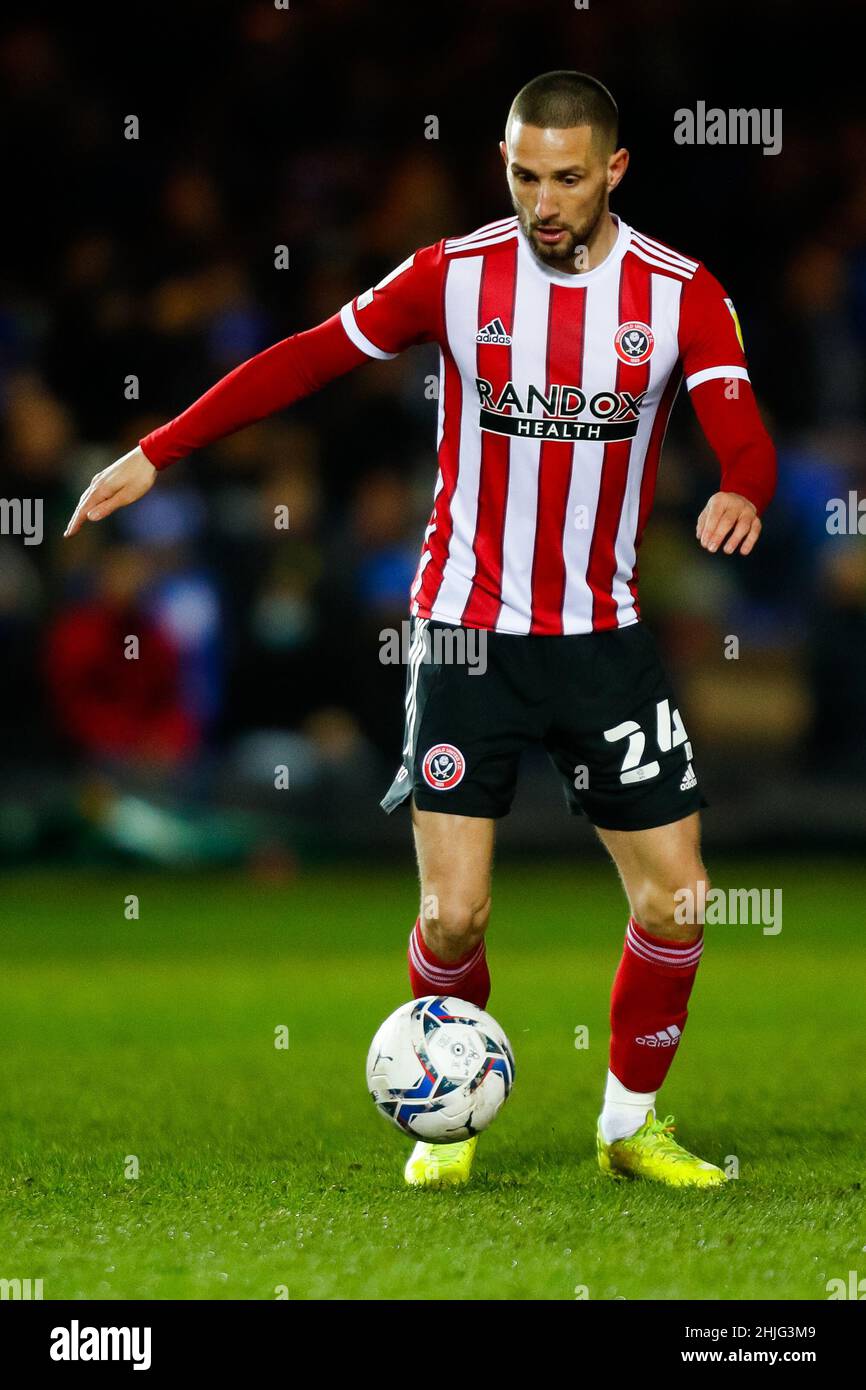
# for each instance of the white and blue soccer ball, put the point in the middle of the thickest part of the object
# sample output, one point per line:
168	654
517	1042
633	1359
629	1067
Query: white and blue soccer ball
440	1069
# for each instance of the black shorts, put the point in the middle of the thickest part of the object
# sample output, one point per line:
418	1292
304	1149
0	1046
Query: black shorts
600	703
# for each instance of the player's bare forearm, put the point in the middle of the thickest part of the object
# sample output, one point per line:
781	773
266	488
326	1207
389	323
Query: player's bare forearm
116	486
730	518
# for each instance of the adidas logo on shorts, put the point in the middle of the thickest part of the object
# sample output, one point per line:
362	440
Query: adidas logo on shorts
689	781
668	1037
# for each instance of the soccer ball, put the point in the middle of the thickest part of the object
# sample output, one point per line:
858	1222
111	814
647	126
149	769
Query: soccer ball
440	1069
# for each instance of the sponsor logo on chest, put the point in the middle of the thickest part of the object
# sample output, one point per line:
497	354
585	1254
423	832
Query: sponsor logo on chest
553	412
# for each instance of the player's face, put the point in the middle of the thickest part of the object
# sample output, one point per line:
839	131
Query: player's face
559	182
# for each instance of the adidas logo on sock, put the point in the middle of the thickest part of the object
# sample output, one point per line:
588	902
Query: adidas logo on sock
668	1037
689	781
493	332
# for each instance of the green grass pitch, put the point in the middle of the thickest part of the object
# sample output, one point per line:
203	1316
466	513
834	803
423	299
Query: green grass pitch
263	1169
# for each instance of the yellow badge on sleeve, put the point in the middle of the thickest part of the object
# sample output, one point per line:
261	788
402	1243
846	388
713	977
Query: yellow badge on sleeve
733	314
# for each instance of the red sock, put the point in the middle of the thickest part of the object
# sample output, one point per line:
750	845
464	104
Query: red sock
467	978
649	1006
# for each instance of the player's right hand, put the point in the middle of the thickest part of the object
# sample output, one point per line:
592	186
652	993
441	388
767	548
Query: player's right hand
116	486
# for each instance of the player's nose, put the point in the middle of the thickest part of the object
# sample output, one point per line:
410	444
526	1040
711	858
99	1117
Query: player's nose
546	207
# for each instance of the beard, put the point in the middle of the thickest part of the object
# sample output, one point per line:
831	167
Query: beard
576	235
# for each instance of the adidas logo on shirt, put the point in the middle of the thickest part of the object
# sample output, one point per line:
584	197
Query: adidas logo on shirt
689	781
668	1037
493	332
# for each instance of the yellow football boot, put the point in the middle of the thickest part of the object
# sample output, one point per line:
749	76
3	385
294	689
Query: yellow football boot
653	1153
440	1165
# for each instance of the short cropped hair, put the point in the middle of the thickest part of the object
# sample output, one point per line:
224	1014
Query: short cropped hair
563	99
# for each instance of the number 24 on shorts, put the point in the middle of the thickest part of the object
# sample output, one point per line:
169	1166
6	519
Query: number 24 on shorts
670	733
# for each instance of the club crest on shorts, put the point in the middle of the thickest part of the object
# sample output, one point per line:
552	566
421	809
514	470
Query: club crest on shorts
634	342
443	767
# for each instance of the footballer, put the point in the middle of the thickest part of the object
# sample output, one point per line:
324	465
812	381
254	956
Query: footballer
564	335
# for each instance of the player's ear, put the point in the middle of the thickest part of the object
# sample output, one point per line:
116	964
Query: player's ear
503	150
616	168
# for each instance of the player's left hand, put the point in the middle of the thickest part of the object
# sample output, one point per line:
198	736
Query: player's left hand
729	514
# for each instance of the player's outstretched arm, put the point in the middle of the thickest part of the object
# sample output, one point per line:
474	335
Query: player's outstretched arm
268	382
403	309
116	486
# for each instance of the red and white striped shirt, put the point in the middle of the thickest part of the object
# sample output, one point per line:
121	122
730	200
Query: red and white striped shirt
555	392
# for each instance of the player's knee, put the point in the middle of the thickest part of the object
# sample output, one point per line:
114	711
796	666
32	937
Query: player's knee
454	923
672	910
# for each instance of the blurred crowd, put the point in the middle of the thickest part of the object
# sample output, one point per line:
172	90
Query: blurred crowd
138	271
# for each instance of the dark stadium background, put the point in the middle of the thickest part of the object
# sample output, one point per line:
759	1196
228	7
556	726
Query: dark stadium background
165	910
155	257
